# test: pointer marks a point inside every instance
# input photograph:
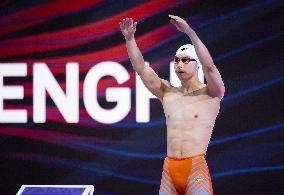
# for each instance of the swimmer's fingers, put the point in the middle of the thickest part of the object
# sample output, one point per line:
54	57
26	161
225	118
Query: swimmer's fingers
128	27
174	22
122	24
134	25
179	23
127	23
175	18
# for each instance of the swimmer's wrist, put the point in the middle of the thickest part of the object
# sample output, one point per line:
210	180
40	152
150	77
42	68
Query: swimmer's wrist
190	32
130	38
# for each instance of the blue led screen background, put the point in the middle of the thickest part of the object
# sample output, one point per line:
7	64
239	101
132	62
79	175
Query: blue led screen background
245	38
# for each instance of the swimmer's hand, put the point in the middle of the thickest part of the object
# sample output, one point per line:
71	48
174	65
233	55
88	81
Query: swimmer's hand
128	28
180	24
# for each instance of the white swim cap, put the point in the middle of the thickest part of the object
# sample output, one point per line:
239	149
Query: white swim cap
188	50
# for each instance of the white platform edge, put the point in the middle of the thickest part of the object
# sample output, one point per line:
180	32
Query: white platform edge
89	188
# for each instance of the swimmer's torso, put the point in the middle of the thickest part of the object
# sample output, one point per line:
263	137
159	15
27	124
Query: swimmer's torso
190	120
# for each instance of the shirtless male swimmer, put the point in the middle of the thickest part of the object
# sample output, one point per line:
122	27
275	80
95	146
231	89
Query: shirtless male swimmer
190	109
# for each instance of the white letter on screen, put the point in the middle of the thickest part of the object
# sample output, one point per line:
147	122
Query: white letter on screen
12	92
68	104
120	95
174	80
143	96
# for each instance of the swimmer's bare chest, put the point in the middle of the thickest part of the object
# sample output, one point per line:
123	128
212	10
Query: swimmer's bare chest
190	121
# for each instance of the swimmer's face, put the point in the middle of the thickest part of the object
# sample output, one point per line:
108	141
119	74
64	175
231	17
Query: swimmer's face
185	66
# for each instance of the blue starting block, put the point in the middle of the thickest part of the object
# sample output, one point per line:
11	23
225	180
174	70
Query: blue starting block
56	190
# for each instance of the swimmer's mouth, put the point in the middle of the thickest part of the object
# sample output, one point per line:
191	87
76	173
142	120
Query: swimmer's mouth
180	71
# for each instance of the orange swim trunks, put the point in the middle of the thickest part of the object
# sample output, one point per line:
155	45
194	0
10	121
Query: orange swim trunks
186	176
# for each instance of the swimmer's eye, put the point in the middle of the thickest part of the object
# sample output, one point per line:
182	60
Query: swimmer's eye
185	60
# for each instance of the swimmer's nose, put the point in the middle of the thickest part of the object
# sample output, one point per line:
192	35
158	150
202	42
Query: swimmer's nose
180	64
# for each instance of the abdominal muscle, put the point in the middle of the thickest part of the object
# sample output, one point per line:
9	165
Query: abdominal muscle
185	140
190	121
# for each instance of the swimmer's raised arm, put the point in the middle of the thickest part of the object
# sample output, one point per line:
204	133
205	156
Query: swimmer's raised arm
147	74
214	80
128	29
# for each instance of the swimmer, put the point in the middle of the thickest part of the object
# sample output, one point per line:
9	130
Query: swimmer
190	109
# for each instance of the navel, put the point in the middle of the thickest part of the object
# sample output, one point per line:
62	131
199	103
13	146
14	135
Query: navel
195	116
168	116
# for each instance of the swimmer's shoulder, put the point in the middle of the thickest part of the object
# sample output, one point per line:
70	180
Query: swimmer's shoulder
167	88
